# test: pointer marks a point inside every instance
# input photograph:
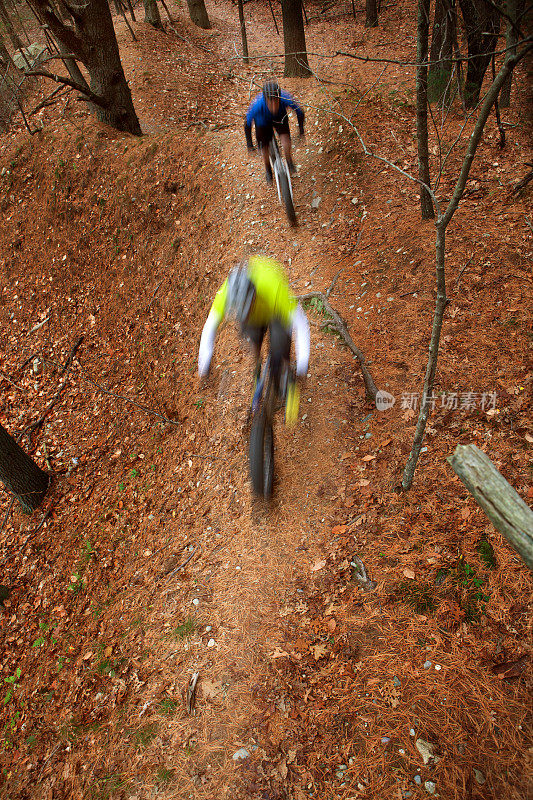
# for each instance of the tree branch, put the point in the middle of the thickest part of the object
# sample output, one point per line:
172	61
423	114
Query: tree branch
475	137
94	98
65	34
35	425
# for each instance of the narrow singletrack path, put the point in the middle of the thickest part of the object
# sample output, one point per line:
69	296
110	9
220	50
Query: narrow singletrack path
260	557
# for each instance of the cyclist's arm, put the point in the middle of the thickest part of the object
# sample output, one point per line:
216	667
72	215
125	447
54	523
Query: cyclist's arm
248	133
209	332
302	340
250	117
207	342
300	116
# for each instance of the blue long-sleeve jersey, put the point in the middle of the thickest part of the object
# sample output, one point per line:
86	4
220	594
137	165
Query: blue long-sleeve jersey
260	114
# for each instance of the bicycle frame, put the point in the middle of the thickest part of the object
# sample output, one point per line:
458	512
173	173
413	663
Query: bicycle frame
265	394
278	166
261	444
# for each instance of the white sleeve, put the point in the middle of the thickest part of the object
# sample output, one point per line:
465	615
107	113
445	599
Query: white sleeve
207	343
302	340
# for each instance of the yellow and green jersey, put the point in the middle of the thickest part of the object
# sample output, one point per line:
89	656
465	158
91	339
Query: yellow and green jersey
273	300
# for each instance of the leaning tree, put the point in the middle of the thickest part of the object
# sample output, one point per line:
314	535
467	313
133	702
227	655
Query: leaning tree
85	35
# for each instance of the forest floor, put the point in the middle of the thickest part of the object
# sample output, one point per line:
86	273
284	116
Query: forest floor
149	562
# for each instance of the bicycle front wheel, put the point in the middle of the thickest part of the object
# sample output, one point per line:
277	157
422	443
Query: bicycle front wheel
261	456
286	196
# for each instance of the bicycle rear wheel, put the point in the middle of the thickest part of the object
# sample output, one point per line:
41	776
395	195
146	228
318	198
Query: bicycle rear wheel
261	456
286	196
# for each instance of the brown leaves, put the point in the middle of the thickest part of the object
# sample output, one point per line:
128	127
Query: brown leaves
510	669
319	650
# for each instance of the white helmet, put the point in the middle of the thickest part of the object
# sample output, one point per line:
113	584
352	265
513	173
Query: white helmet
241	293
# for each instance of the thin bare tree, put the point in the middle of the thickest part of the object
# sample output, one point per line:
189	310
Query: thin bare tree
371	8
441	55
443	218
426	206
512	33
9	27
244	38
441	224
482	24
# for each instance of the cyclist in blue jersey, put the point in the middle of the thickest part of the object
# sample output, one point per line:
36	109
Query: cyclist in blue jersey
269	112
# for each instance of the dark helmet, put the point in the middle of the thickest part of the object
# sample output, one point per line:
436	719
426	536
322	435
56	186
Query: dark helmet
271	90
241	293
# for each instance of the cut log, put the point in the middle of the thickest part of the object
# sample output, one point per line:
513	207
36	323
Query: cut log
504	507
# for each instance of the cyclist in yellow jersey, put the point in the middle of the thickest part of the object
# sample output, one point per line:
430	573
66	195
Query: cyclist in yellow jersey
256	293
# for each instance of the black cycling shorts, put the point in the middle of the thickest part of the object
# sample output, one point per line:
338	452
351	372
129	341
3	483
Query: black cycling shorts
263	133
280	339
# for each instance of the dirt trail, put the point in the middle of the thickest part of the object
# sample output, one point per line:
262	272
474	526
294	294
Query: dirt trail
259	556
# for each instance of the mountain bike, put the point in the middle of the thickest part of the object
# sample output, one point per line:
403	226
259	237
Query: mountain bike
267	399
283	179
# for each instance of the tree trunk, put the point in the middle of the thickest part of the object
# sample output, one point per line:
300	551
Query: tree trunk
431	368
296	65
511	40
371	14
8	87
440	60
91	39
9	29
198	13
152	15
482	24
426	206
243	32
20	473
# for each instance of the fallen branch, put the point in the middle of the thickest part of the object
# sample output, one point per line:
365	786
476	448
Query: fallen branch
91	96
5	378
509	514
359	575
37	424
39	325
177	569
333	282
340	327
37	529
128	400
190	698
525	180
56	95
463	269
